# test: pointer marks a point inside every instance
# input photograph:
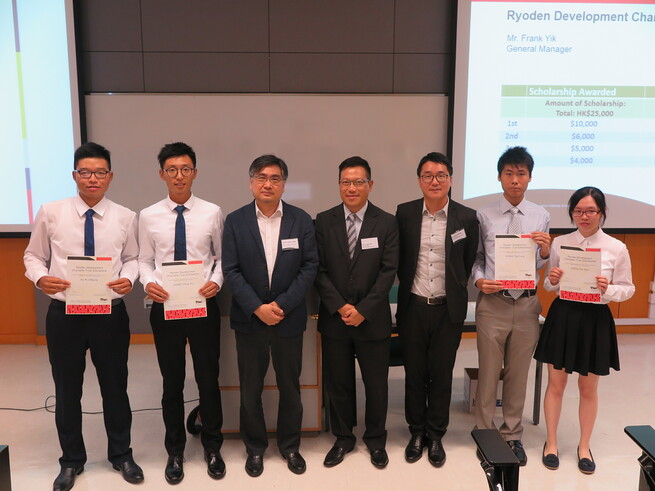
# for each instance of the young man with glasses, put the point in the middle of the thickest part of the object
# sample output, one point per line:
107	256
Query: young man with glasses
507	321
438	241
183	227
269	263
87	225
358	258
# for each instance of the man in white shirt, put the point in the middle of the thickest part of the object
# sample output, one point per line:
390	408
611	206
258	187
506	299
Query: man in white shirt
270	262
507	321
184	227
87	225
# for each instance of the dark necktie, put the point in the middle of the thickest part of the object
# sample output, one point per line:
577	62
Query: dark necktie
180	235
89	241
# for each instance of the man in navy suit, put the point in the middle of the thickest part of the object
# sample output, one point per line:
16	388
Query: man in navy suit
438	243
358	258
269	262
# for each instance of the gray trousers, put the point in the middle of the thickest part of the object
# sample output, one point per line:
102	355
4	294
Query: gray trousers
507	333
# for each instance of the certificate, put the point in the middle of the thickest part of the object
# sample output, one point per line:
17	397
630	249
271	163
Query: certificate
515	262
182	280
580	266
88	293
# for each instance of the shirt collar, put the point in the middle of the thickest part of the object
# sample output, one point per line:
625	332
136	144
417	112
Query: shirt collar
277	213
581	239
444	209
81	207
188	204
360	214
505	206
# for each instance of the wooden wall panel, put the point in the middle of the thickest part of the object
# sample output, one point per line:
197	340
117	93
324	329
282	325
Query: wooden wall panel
17	309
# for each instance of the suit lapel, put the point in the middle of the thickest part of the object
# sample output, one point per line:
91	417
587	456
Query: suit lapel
367	230
251	222
414	226
338	225
286	226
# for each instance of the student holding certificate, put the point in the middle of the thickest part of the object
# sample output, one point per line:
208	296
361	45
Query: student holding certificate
179	237
579	335
99	236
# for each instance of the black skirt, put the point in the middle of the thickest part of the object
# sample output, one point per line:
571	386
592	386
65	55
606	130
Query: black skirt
579	337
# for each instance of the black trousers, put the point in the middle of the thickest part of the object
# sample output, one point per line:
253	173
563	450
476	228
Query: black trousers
204	337
254	352
107	337
429	343
339	373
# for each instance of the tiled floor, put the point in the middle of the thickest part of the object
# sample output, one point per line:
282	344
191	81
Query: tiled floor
626	398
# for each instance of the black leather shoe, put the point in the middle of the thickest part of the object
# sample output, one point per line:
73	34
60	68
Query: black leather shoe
215	465
295	462
436	453
379	458
174	472
255	465
517	448
131	472
66	478
414	449
586	466
335	456
550	461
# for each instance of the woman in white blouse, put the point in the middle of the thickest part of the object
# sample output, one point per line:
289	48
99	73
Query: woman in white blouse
581	337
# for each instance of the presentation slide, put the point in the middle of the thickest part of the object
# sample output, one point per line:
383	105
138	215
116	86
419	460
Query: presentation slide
574	82
39	116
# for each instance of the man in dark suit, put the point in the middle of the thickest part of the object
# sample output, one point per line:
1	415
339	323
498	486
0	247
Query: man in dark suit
438	242
358	258
269	262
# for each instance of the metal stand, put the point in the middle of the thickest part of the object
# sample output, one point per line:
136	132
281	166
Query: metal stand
644	436
499	463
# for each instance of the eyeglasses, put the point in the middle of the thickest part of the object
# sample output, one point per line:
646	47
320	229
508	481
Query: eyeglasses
358	183
86	174
173	172
427	178
274	180
589	213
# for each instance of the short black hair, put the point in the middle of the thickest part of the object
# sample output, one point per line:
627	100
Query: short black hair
177	149
355	161
264	161
516	156
91	150
437	158
597	196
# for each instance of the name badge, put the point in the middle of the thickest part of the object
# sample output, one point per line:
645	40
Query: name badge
459	235
370	243
288	244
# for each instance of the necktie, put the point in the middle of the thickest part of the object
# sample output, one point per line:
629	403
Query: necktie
352	234
514	228
180	235
89	240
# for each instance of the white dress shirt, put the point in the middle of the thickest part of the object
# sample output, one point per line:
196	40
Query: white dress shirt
204	229
269	229
615	263
360	218
494	219
58	232
430	278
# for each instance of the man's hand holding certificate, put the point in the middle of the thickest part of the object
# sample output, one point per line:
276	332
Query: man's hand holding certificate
88	292
183	280
579	271
515	261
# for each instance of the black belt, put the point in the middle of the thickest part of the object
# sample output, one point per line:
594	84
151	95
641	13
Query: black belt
114	302
430	300
525	293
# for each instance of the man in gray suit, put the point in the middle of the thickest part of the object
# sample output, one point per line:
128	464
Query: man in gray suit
358	258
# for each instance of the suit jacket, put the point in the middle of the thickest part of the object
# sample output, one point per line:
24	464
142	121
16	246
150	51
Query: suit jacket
363	281
460	255
246	273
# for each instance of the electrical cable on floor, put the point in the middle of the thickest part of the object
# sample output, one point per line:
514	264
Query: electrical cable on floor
49	407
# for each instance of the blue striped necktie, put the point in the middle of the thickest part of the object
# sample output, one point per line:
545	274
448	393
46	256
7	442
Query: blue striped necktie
180	235
89	240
